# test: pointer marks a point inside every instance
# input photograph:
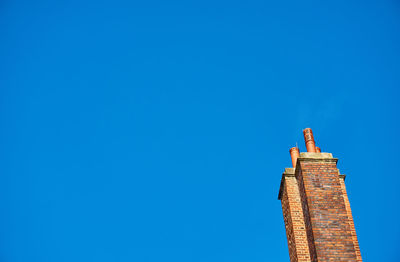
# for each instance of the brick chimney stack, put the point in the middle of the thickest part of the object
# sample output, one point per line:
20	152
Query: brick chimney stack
316	211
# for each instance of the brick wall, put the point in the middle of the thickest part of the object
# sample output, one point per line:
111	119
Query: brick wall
294	220
307	219
350	219
326	218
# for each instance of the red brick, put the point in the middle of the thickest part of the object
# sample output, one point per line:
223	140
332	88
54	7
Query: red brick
316	210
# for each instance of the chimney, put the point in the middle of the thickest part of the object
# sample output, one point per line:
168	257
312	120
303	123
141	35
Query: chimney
316	209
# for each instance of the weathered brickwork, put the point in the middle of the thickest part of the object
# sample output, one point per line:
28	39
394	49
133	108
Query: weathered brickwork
329	228
288	225
350	220
294	221
306	217
316	209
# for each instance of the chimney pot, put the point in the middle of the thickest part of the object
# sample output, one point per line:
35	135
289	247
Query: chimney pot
294	154
309	139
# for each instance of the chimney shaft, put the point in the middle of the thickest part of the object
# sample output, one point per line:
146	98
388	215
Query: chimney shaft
309	138
294	154
316	210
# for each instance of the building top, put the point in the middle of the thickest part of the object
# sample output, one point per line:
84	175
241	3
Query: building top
313	154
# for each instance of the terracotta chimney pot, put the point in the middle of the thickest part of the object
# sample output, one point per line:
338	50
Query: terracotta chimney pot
309	138
294	154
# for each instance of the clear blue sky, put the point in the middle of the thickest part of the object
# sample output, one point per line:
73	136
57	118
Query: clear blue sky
158	130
